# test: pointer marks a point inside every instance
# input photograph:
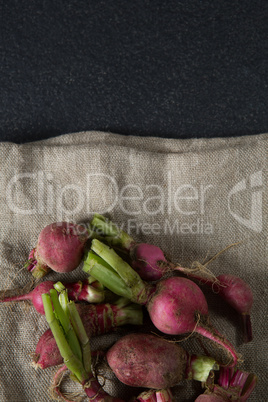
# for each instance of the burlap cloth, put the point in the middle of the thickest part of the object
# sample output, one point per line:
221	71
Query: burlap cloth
190	197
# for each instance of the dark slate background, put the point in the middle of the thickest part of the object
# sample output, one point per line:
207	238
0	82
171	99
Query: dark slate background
177	69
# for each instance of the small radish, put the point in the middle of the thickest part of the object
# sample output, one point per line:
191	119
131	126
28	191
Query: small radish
148	361
60	247
83	290
234	290
176	305
97	319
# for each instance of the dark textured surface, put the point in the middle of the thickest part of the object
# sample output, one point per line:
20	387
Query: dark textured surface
164	68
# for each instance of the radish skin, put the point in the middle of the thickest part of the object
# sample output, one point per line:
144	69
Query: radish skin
144	360
60	247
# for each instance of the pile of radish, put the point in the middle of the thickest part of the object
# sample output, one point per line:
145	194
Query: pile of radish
127	279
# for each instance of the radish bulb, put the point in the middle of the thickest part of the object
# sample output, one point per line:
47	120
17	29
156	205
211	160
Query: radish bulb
144	360
60	247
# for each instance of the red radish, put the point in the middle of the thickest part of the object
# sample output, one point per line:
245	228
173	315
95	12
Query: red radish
82	290
236	292
232	385
176	305
148	361
150	263
97	319
60	248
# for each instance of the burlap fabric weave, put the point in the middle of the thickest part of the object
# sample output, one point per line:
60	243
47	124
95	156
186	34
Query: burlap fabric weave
190	197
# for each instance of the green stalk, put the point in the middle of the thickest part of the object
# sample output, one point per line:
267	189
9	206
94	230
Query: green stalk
82	336
113	234
59	286
139	289
66	325
73	363
63	300
104	273
128	312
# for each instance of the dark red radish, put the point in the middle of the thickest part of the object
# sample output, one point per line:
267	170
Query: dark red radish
97	319
77	291
233	385
60	247
176	305
148	361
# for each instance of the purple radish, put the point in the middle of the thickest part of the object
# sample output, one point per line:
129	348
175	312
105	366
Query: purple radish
236	292
144	360
97	319
60	247
176	305
82	290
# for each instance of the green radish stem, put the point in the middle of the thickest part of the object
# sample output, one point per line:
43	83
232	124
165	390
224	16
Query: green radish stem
79	367
111	233
73	363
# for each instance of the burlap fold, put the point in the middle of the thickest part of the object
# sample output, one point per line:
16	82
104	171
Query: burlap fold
190	197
